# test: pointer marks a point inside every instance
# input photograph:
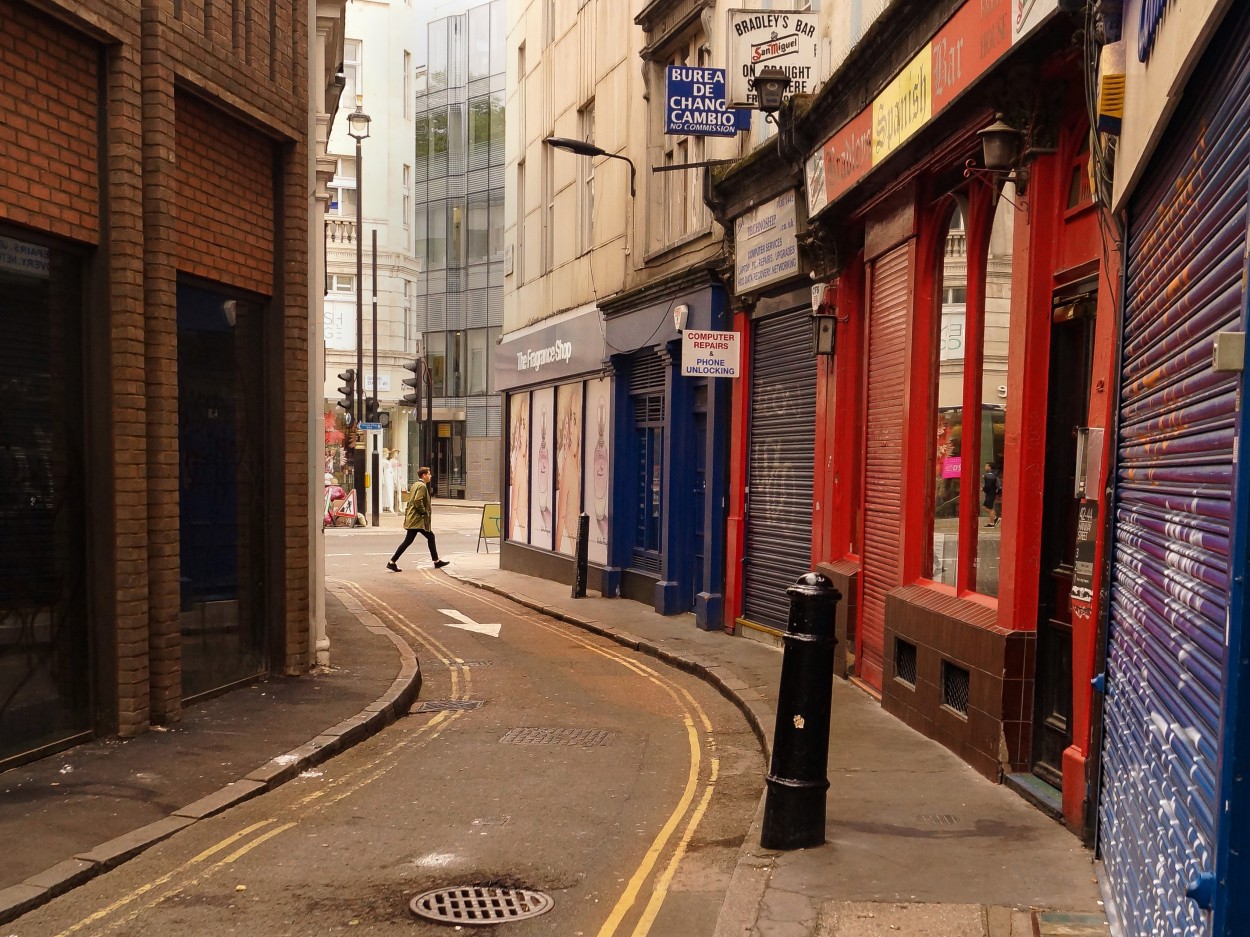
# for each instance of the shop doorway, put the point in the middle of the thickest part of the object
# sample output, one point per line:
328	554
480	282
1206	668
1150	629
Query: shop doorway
448	465
1071	365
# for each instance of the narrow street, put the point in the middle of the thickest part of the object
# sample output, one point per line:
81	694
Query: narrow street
538	757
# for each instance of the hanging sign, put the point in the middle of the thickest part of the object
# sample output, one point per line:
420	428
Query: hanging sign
695	103
760	38
710	353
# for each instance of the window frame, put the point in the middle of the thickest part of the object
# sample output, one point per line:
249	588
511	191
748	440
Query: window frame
981	203
680	214
586	182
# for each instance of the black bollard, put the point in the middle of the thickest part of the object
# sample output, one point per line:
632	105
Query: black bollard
582	560
798	779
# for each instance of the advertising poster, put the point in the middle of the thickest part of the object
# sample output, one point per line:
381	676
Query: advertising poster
568	466
542	467
518	468
598	461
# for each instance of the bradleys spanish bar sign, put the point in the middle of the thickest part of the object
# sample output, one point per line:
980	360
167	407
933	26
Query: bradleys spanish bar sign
979	34
695	103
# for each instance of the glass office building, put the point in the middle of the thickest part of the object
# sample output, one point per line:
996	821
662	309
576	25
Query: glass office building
458	200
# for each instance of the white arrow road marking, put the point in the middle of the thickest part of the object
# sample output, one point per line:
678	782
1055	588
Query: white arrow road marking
465	623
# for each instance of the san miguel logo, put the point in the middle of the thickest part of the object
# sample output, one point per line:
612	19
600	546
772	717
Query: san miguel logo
774	48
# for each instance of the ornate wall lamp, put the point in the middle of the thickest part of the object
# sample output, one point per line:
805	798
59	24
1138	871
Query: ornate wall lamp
1003	155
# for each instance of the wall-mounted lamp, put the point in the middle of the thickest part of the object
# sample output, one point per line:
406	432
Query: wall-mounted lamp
582	148
771	83
824	331
1001	146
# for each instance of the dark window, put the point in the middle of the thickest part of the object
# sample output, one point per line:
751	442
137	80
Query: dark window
221	476
44	653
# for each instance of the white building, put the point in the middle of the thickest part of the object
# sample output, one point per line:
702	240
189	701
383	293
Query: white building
380	68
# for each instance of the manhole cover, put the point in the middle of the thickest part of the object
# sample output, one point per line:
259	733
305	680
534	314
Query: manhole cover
480	904
533	735
442	705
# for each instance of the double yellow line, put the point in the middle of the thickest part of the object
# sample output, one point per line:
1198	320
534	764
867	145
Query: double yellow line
690	808
199	868
694	717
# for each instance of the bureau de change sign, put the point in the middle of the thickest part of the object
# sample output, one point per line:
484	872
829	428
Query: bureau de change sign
695	103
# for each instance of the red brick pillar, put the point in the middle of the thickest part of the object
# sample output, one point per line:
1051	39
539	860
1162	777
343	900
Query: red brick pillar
160	361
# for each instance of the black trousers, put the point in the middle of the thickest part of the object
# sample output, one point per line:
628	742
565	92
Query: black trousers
411	535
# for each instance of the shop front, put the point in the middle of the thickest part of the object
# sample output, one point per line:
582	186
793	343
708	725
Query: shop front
558	422
950	420
667	547
772	456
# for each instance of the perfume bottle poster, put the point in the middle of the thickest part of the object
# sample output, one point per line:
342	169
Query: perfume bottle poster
568	466
518	467
542	467
597	457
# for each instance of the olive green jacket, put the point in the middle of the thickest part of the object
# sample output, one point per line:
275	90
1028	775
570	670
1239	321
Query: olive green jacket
417	514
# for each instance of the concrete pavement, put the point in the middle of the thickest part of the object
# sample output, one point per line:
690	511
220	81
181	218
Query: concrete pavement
917	843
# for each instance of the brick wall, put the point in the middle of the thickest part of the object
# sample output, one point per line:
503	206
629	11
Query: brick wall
206	108
225	198
49	177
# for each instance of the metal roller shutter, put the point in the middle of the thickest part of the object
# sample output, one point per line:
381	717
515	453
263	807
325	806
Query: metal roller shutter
647	373
883	456
1174	485
780	465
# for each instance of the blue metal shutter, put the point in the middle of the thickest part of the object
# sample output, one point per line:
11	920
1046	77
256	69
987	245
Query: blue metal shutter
781	465
1173	490
647	374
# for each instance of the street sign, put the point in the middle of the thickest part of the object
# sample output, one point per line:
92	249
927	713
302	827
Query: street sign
369	426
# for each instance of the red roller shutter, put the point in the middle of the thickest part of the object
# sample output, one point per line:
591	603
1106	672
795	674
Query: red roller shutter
883	470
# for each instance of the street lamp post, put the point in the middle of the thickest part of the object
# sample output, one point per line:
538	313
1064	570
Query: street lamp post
358	130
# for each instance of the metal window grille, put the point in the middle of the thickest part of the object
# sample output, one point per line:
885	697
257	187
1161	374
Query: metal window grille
905	662
955	687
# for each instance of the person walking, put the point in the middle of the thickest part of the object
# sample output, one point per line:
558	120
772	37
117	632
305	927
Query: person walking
991	487
417	521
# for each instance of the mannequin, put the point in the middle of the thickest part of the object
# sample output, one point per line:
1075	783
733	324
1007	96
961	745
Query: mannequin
399	479
386	495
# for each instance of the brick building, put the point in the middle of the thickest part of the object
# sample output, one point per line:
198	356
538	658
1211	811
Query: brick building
154	483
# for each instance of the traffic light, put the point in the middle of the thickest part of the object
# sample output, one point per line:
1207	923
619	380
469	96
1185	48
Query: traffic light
413	397
348	390
372	414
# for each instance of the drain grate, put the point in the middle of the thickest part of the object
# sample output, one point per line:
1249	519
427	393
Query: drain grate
530	735
939	819
480	904
443	705
473	663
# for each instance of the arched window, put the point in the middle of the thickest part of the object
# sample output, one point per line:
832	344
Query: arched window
969	395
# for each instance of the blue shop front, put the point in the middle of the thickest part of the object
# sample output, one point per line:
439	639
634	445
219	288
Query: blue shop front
671	446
